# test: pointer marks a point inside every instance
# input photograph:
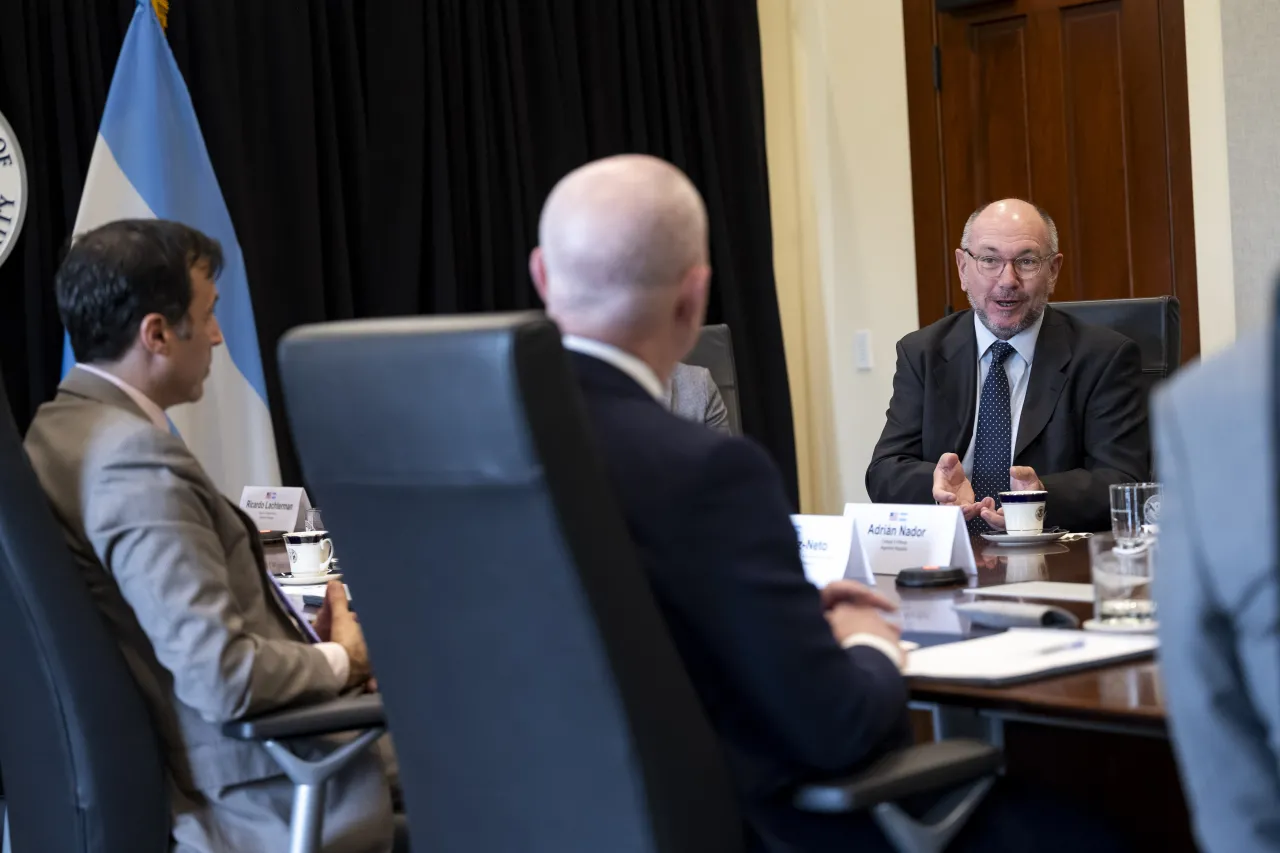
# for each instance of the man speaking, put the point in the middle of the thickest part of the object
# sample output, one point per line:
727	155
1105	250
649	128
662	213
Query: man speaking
1012	395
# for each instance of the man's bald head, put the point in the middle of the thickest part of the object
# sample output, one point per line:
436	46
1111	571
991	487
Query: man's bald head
1012	212
616	232
623	252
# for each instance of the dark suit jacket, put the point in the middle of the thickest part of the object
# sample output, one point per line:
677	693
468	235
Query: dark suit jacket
1083	426
711	523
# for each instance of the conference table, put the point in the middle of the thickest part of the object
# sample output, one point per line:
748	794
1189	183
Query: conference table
1097	737
1124	698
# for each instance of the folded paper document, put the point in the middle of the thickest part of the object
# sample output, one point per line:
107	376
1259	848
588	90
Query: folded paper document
1024	654
1044	590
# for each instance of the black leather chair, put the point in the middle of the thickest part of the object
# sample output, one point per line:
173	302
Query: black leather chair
714	351
1154	323
537	700
83	768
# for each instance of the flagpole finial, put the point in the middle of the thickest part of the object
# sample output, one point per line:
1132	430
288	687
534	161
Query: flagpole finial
161	8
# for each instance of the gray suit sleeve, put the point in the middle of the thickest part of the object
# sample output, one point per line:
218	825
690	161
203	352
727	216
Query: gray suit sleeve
717	416
1211	670
149	517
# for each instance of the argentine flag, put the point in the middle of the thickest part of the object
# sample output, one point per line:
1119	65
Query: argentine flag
150	162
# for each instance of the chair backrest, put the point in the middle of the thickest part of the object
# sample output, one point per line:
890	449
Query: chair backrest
1154	323
714	351
83	770
536	699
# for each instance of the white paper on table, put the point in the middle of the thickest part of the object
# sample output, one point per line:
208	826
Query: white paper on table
1048	590
1022	653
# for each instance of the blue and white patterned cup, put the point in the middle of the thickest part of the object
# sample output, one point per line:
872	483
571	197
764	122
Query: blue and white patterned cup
1024	511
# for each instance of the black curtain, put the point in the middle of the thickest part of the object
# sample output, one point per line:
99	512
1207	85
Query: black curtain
391	157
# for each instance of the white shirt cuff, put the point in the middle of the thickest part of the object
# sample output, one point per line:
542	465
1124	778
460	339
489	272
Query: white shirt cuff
340	663
889	648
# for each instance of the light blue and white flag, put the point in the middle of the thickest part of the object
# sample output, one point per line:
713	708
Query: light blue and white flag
150	162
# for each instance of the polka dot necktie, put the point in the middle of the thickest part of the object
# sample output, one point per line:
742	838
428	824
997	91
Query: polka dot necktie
992	444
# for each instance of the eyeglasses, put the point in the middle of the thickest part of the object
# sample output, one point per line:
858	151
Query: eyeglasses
1024	267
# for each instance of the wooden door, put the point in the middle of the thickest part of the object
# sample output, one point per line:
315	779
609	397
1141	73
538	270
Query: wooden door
1077	105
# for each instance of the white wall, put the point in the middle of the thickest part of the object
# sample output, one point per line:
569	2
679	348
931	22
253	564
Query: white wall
1251	75
1210	187
847	233
840	181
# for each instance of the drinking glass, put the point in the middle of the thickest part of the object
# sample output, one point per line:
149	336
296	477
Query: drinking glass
1122	574
1135	512
313	520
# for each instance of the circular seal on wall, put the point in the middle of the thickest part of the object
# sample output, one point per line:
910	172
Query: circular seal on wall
13	189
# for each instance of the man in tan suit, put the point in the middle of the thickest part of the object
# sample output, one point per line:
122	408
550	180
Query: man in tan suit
176	569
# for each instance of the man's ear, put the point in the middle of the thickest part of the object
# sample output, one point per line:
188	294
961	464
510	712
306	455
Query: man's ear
538	272
691	307
1055	267
152	334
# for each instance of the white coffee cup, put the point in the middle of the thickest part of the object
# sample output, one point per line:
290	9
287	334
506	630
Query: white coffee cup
310	552
1024	511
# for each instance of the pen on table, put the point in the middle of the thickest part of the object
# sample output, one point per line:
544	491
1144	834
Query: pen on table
1061	647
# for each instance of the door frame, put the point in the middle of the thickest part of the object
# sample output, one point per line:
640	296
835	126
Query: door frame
935	267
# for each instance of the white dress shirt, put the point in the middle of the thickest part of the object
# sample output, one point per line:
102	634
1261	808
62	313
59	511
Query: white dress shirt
153	412
644	375
888	648
624	361
335	654
1017	367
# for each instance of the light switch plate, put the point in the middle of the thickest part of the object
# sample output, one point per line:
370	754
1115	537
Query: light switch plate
862	349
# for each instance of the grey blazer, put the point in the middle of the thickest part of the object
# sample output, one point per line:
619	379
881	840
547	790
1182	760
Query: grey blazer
178	574
692	394
1217	594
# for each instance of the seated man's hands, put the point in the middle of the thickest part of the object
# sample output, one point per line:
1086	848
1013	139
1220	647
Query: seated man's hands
852	592
854	608
849	619
951	487
336	623
1022	478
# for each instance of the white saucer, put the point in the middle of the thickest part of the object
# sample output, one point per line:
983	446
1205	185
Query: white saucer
1095	625
309	580
1024	538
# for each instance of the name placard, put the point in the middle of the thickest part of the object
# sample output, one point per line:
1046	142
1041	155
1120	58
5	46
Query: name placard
830	549
275	507
905	536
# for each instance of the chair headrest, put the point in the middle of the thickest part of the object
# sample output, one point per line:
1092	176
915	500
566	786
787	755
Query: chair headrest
422	364
1153	323
714	351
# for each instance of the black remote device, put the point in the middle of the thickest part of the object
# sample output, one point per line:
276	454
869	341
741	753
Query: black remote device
932	576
